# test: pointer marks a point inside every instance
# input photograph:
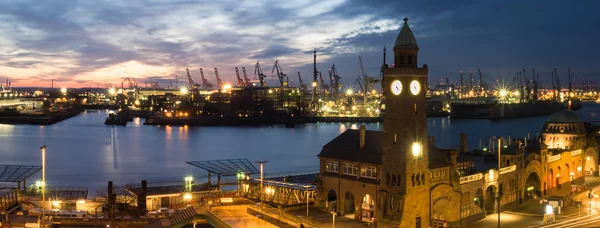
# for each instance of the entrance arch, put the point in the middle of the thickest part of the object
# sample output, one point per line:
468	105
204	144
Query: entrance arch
367	207
490	195
532	186
479	198
349	203
332	200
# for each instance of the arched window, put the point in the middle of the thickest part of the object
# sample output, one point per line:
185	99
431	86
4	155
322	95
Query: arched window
418	179
387	179
423	178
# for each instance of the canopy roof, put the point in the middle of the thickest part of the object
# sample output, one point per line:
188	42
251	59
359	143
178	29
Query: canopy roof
229	167
17	173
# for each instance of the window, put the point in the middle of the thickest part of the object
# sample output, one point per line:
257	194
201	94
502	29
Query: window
437	174
332	166
444	173
349	169
368	172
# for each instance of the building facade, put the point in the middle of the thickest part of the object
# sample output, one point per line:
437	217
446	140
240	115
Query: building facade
398	177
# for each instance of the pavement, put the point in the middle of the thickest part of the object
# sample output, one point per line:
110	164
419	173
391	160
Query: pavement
325	219
236	216
530	213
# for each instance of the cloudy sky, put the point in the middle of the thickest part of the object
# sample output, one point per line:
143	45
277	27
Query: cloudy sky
92	43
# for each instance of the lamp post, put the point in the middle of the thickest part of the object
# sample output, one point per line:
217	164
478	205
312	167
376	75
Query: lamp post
307	202
261	184
43	148
333	214
591	196
498	191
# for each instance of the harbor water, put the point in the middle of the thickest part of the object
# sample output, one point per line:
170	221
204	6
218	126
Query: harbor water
82	151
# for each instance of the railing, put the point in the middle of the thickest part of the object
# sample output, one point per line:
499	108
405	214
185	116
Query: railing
471	178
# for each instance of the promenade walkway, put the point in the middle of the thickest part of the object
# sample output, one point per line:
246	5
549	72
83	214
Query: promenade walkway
236	216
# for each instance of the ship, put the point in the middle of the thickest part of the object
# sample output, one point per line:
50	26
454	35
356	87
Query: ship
116	119
496	110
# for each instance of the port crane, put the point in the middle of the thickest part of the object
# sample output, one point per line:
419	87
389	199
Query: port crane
324	86
570	82
246	79
219	82
283	80
366	79
261	77
481	88
556	84
193	84
302	85
240	82
336	82
462	84
205	84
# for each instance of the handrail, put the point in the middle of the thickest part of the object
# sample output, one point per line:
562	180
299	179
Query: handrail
215	221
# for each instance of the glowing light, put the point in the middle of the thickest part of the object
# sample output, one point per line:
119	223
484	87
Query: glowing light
502	93
227	87
516	93
530	188
55	203
314	84
63	90
112	91
80	201
416	149
270	91
183	90
491	174
349	92
374	92
377	111
549	209
353	108
187	196
587	158
137	102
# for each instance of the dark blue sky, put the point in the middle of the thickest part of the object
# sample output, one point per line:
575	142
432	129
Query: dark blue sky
86	43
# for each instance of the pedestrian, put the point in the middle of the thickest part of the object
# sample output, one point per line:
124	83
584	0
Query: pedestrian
301	225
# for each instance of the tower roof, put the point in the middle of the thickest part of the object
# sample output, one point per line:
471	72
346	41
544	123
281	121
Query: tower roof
406	38
564	117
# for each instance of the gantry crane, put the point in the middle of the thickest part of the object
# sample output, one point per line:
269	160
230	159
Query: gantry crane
366	80
246	79
205	84
324	86
193	85
283	81
261	77
302	85
336	82
219	82
240	82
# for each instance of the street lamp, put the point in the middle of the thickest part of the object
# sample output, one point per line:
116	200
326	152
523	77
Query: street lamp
43	148
498	190
261	184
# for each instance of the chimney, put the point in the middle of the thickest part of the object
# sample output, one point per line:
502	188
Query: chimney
362	135
142	196
463	147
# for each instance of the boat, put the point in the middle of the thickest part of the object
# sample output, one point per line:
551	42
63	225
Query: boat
114	119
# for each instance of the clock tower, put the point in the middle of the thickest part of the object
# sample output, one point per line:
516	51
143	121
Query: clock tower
404	195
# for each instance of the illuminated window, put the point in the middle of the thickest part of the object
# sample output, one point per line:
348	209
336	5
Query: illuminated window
368	172
349	169
332	166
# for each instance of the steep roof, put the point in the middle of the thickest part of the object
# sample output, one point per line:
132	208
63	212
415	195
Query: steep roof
564	117
406	38
346	147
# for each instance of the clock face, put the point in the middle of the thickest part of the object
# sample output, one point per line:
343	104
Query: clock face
415	87
396	87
